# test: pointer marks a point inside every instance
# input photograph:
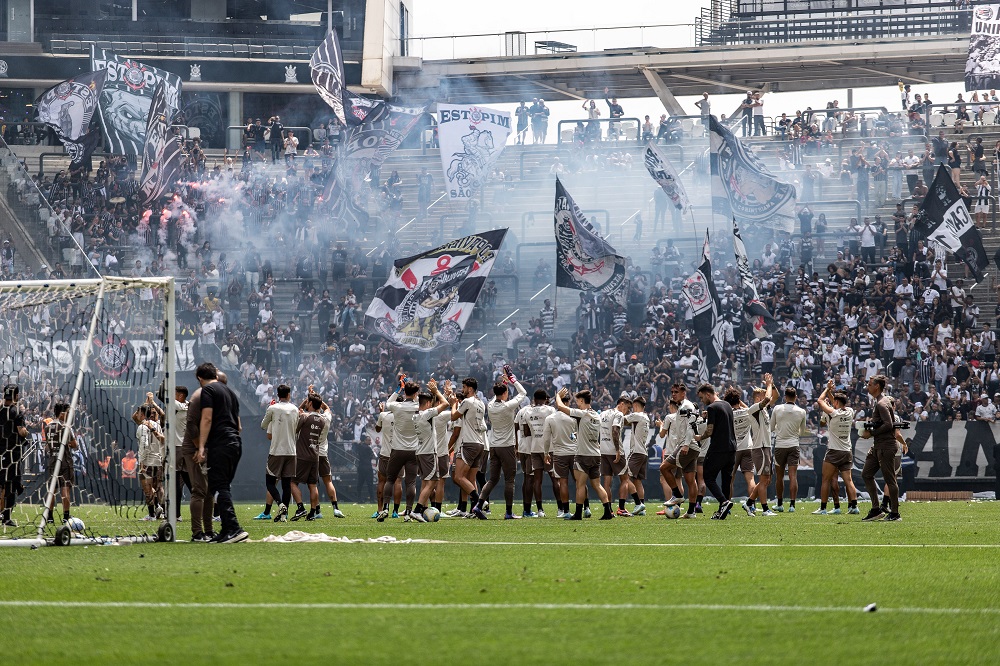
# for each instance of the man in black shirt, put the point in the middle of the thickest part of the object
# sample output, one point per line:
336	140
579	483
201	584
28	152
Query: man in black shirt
722	448
220	446
12	435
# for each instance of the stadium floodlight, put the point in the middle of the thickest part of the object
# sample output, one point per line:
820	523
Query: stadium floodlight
102	346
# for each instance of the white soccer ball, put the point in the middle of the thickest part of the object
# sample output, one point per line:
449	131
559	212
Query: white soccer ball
76	524
673	512
432	515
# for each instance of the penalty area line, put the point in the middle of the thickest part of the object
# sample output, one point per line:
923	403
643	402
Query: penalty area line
33	603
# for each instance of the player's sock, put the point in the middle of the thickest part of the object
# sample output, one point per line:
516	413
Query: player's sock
836	504
691	507
578	514
267	509
538	504
621	504
474	497
395	507
752	503
607	510
334	503
635	498
763	506
822	506
527	508
419	508
65	516
676	492
586	503
510	508
436	505
463	506
780	501
300	506
151	509
791	503
312	512
852	504
700	498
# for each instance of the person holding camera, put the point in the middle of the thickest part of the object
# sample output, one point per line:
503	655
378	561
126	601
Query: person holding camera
882	455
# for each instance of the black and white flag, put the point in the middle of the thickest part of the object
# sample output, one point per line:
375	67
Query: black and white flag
666	176
429	297
757	316
327	69
944	218
703	300
744	188
471	139
126	98
584	260
79	151
69	107
982	69
162	154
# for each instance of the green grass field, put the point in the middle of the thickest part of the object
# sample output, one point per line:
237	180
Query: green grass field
789	589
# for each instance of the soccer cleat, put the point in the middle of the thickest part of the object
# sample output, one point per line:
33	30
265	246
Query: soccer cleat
282	515
417	517
607	516
674	501
486	507
697	508
751	511
836	511
200	537
820	512
311	517
300	514
375	515
382	515
724	510
571	516
529	514
511	516
477	511
10	522
395	514
337	513
262	516
768	513
893	518
148	518
160	514
854	511
715	516
560	514
689	516
791	509
318	515
639	510
587	513
874	515
779	509
623	513
216	519
539	514
452	513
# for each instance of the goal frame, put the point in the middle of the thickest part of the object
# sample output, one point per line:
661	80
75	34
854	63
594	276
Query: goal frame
168	528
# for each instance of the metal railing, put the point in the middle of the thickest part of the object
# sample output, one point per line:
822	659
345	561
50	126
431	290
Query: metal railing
619	130
238	144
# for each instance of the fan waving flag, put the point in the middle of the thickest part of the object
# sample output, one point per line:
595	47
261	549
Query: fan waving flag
327	69
584	260
429	297
69	106
665	175
703	299
162	153
944	218
743	187
760	320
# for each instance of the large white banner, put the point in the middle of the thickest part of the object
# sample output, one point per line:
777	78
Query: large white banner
982	69
471	139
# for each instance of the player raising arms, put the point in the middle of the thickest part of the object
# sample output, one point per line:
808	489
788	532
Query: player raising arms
472	450
760	448
533	463
839	458
151	453
384	426
54	430
587	462
404	444
503	411
430	404
638	419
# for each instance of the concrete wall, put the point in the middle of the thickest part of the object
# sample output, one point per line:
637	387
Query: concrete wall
381	44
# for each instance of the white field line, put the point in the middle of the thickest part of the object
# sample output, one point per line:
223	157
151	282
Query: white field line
722	545
31	603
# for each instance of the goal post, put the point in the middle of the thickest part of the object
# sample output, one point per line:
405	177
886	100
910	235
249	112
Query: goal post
101	352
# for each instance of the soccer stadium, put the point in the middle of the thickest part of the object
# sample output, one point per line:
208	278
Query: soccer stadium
712	279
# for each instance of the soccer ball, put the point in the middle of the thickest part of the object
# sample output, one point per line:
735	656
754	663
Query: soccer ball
76	525
673	512
432	515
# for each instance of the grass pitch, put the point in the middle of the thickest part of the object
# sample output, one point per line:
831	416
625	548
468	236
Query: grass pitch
788	589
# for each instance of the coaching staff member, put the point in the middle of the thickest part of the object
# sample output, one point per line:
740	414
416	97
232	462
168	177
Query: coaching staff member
722	447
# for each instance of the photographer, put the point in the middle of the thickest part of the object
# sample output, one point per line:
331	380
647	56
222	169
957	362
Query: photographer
882	455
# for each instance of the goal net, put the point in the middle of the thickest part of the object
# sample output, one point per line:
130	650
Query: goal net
87	368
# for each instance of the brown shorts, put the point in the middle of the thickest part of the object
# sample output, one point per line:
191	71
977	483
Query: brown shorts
611	468
897	465
743	462
562	466
383	466
66	474
688	462
149	473
537	462
589	465
842	460
427	467
473	455
637	463
281	467
763	465
443	464
786	457
324	467
306	471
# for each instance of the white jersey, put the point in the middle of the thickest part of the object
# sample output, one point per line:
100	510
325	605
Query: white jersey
640	431
152	452
181	409
523	441
282	417
760	426
610	419
502	417
404	431
588	432
534	418
741	428
441	435
386	422
677	435
559	434
789	423
839	429
324	443
472	421
423	424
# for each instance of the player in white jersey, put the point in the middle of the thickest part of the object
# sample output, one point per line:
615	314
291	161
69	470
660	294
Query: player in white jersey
533	464
839	459
470	413
788	422
432	404
325	471
612	458
743	419
760	447
638	459
587	462
151	453
441	423
384	426
404	445
675	438
503	412
559	444
279	422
